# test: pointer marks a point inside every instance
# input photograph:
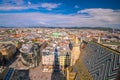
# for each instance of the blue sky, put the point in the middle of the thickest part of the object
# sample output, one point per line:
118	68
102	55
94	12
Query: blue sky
61	13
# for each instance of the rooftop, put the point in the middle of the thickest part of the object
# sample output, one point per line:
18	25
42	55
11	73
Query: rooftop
26	48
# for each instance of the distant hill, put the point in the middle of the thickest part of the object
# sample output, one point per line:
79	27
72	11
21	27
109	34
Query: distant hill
98	28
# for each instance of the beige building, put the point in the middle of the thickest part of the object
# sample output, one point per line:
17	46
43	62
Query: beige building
64	60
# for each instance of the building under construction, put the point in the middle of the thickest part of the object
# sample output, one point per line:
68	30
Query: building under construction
30	54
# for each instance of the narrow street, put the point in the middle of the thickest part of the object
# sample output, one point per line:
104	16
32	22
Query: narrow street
37	74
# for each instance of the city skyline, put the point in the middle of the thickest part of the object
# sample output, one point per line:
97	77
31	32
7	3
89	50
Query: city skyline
60	13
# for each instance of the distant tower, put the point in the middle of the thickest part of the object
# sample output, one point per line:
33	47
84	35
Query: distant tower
81	40
75	51
16	31
113	31
99	40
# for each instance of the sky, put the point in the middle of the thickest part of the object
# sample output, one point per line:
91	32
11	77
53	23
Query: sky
60	13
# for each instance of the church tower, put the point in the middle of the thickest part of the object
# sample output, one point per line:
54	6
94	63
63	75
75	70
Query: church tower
75	52
99	40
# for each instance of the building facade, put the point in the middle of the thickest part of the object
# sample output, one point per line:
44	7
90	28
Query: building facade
7	52
64	60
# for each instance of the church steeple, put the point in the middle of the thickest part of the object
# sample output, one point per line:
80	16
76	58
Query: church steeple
75	51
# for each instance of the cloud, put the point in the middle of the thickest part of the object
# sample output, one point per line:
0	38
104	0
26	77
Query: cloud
76	6
50	6
13	2
29	3
20	5
99	12
9	8
108	15
8	5
88	17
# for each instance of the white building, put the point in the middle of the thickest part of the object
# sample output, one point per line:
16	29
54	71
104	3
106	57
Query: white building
47	60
